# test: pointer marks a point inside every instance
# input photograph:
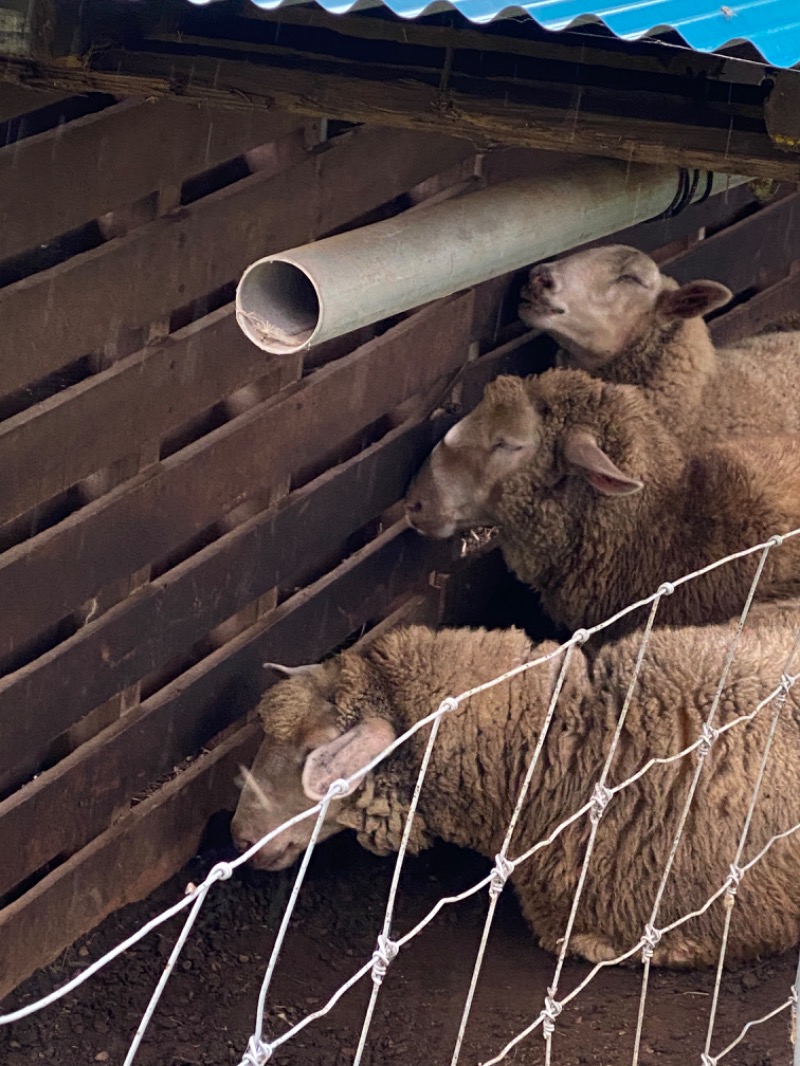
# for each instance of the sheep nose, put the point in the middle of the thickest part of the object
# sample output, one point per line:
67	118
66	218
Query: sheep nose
413	506
541	279
242	840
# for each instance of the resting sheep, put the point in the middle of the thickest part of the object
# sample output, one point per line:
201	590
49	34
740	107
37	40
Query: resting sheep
328	721
597	503
618	317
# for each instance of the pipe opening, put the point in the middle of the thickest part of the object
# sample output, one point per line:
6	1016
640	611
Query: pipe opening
277	306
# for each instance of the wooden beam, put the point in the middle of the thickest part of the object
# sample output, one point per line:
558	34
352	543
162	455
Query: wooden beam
488	111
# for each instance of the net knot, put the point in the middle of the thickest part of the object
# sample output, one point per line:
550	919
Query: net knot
339	787
600	798
666	589
650	939
734	879
222	871
707	1060
382	957
257	1054
552	1009
448	705
707	737
503	868
580	636
776	541
785	684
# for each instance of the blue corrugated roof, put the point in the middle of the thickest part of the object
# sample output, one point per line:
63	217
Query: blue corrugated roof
771	26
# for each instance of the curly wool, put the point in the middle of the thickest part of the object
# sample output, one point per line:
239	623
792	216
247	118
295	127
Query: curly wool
482	752
591	555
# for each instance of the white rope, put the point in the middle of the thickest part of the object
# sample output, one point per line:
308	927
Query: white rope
259	1051
736	874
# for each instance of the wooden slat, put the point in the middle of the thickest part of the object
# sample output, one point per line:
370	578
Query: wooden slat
119	865
152	514
16	100
125	864
747	253
114	158
51	446
105	659
760	311
146	631
60	314
716	212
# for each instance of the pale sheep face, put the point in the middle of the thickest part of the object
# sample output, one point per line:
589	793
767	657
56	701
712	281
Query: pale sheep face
594	303
456	488
303	752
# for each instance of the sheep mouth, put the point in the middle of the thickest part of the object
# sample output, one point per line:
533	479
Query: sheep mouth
534	305
272	863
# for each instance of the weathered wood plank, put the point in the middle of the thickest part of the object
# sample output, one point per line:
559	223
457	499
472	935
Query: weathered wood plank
125	864
16	100
748	254
760	311
114	158
154	513
100	777
56	316
139	399
512	116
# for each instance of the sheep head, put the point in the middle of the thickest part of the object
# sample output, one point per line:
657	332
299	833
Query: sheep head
599	303
543	431
454	490
309	743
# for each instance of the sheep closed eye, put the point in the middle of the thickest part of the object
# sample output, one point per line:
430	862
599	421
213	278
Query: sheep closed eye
631	279
506	446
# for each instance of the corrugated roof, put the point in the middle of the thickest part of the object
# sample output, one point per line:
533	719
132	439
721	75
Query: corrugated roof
771	26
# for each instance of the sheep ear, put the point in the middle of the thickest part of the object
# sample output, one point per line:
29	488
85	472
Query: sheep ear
345	755
294	671
582	450
454	436
692	300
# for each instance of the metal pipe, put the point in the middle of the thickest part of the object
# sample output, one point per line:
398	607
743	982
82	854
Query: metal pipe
321	290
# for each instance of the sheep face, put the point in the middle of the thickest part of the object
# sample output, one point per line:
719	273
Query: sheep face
456	487
514	434
304	750
599	303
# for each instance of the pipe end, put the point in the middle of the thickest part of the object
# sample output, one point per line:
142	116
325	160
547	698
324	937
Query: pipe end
277	306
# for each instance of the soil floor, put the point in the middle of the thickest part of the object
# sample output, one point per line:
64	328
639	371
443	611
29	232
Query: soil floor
207	1012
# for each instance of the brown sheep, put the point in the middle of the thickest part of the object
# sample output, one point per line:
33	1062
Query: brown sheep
597	503
618	317
329	721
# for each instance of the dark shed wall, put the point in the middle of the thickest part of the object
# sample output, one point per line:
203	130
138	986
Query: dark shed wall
177	507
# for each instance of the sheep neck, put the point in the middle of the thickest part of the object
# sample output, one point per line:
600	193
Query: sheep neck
482	752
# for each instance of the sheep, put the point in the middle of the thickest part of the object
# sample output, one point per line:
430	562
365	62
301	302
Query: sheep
597	503
328	721
618	317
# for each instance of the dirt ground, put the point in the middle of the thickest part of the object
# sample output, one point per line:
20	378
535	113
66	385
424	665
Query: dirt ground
207	1012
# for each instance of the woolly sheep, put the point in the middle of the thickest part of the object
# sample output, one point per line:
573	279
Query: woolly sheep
329	721
618	317
597	503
